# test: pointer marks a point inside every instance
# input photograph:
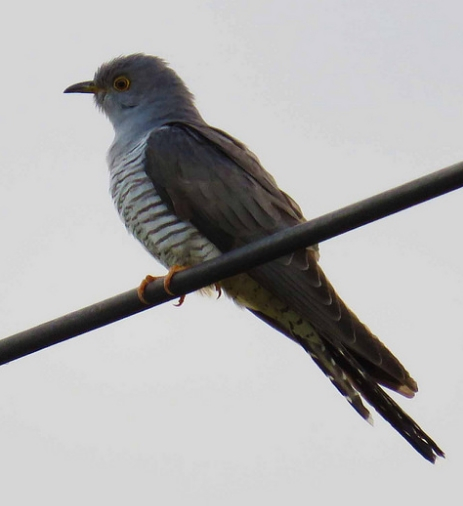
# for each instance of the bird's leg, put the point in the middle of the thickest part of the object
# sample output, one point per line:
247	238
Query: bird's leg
141	289
167	279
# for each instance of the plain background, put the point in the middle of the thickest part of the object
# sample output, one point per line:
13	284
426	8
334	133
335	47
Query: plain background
205	404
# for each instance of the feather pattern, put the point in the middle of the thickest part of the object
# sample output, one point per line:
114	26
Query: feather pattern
171	240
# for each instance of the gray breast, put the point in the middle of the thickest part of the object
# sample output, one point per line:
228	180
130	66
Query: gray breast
146	216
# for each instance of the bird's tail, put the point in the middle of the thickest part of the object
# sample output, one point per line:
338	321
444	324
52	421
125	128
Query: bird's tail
355	383
385	405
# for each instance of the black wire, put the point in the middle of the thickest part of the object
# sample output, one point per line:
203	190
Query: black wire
235	262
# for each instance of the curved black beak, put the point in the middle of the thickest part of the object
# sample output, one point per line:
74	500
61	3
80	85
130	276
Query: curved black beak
83	87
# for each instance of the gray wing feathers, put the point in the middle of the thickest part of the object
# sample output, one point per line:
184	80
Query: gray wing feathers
215	182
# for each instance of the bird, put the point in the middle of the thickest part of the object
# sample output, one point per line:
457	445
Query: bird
190	192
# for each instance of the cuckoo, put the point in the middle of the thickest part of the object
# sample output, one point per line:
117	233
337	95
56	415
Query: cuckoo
190	192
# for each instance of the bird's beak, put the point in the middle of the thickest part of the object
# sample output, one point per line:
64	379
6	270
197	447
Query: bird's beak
83	87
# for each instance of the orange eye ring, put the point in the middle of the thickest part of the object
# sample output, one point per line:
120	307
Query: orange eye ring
121	83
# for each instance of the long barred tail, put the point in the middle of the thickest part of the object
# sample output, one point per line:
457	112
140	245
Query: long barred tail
354	383
385	406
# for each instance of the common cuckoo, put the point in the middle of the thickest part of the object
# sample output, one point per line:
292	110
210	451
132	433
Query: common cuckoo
189	192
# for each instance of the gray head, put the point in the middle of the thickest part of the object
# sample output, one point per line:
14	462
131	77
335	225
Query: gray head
139	91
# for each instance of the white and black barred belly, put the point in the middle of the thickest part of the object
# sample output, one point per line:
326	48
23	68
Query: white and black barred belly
169	239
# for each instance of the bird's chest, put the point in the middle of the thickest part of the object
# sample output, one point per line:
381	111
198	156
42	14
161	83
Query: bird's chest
171	240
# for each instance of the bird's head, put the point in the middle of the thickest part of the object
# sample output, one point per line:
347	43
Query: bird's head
138	89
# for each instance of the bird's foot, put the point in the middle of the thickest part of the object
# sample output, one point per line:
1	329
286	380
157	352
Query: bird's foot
141	289
167	280
218	289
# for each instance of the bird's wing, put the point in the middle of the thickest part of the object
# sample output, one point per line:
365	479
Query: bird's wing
216	183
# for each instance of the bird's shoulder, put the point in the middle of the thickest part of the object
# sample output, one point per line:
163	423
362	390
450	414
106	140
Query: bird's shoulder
209	177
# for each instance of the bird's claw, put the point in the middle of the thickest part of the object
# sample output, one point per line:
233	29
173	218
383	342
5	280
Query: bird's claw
166	283
141	289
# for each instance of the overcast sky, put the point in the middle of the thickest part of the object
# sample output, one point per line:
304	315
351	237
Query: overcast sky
205	404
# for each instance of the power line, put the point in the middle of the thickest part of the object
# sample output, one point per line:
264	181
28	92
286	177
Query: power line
232	263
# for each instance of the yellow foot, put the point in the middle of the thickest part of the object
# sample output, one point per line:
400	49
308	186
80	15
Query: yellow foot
141	289
167	279
169	276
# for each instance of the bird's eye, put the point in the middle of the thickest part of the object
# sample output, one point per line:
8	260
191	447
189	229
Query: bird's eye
121	83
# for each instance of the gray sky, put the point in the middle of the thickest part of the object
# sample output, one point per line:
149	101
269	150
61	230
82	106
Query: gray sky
205	404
